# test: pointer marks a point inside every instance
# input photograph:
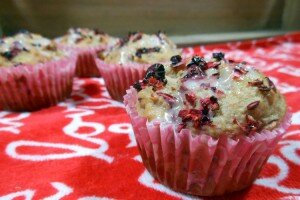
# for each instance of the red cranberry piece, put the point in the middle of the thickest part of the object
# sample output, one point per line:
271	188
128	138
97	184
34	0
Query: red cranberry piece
271	84
137	86
250	126
264	88
252	105
194	71
218	56
255	83
184	115
240	70
176	59
213	65
8	55
157	71
198	61
180	127
169	98
191	98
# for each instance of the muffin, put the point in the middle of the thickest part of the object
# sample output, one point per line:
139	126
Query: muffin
206	126
128	61
34	73
87	43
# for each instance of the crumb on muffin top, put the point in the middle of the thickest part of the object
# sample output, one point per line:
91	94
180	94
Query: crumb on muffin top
213	96
27	48
84	37
143	48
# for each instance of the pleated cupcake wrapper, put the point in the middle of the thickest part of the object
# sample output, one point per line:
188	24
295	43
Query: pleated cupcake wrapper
200	165
85	64
31	87
118	78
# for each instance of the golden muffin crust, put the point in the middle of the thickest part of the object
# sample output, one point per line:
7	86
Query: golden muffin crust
143	48
84	37
212	96
27	48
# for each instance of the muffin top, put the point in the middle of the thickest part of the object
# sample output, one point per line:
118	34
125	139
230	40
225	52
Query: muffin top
84	37
212	96
143	48
27	48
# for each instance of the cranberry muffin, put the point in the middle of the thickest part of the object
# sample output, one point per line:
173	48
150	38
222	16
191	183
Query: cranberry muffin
206	126
34	72
87	43
128	61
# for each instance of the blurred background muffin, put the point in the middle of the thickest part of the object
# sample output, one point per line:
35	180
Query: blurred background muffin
35	73
87	43
143	48
127	62
27	48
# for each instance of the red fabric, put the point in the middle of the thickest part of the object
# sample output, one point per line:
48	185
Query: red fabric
84	147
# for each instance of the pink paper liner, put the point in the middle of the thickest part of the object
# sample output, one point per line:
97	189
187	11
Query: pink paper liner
118	78
31	87
85	64
200	165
